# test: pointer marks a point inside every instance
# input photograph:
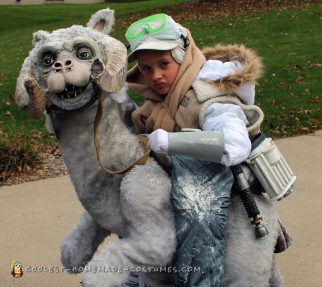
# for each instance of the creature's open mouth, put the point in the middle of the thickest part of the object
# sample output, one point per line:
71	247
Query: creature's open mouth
73	97
71	92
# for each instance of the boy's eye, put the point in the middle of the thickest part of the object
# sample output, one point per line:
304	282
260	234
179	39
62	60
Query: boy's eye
145	68
164	64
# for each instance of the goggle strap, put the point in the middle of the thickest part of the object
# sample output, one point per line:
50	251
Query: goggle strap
186	41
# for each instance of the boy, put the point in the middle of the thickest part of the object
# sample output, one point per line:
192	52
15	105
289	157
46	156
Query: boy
167	71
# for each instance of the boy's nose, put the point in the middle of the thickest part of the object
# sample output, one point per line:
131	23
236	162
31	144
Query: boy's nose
157	75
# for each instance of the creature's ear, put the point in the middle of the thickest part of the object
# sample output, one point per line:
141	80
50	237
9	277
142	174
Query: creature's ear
102	21
28	94
39	36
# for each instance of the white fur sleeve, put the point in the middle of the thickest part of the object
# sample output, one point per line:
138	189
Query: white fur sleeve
231	120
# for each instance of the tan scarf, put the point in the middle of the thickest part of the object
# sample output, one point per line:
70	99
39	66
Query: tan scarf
158	111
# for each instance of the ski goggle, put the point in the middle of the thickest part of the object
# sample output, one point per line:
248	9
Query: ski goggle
159	26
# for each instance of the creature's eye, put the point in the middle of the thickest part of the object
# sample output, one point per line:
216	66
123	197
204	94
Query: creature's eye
48	59
84	53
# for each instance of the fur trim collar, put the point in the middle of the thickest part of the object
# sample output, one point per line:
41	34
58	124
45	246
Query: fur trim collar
241	82
251	70
226	88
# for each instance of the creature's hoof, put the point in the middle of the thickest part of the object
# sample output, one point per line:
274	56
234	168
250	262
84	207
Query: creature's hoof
95	276
73	264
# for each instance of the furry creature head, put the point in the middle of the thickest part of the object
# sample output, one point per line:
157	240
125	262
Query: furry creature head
64	66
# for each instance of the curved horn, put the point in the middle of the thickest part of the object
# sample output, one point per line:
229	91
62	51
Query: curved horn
111	75
28	93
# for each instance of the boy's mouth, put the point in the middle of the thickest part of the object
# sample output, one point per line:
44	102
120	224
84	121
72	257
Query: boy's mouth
160	86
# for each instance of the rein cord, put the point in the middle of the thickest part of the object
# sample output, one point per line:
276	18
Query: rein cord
141	138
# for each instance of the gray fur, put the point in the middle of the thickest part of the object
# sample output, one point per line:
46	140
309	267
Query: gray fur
248	261
142	215
135	205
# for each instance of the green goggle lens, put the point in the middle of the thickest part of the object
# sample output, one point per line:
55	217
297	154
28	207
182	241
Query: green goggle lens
150	24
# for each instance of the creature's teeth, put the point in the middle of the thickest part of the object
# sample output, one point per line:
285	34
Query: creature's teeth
65	89
75	94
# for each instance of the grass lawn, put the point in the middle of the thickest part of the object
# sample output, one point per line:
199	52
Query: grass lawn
287	38
290	44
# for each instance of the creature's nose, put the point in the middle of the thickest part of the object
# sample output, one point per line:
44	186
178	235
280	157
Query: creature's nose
62	66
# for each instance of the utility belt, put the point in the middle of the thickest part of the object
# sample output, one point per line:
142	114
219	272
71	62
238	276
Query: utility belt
270	168
272	172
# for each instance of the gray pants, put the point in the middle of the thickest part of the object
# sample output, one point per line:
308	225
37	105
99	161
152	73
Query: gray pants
200	196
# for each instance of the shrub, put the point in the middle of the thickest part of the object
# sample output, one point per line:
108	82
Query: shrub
17	155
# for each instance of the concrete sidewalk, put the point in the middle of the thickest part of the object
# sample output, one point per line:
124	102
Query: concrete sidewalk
36	216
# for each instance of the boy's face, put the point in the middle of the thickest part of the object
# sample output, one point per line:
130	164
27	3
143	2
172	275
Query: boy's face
159	69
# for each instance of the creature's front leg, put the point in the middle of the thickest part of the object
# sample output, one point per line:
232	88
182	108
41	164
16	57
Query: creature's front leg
81	243
151	241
